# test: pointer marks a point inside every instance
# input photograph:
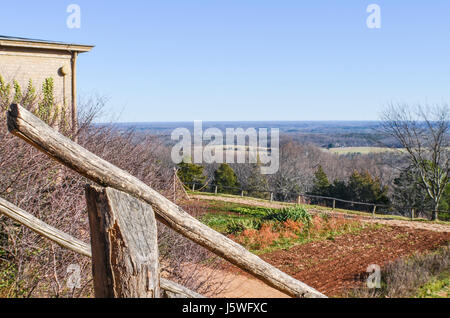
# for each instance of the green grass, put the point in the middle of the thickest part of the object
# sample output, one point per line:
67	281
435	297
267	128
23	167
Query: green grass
437	287
251	211
361	150
221	221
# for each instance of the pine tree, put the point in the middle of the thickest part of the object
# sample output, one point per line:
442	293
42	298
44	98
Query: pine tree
321	184
365	188
225	179
190	174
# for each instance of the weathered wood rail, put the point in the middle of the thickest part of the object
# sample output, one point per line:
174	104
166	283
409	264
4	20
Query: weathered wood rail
169	289
25	125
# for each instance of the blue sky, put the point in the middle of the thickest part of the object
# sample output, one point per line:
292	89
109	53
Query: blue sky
249	59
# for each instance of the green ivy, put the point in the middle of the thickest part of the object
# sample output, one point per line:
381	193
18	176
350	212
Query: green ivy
46	106
5	93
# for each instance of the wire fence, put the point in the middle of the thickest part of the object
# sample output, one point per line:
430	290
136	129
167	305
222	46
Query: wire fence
311	199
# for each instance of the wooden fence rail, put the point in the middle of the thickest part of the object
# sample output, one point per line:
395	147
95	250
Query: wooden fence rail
169	289
43	229
25	125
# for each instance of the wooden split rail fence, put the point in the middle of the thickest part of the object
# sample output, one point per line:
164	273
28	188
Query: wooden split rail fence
122	216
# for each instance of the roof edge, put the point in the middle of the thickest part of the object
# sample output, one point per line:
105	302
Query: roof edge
38	44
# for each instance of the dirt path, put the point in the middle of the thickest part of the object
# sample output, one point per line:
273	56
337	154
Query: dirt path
277	205
274	205
241	285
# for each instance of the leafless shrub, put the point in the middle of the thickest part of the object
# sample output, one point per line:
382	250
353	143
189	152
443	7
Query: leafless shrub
31	266
403	277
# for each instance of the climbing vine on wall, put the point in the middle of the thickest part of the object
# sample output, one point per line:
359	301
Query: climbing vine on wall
45	107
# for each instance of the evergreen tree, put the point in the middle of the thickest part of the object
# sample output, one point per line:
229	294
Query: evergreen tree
225	178
365	188
321	183
190	173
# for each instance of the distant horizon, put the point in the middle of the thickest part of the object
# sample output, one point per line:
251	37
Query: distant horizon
241	121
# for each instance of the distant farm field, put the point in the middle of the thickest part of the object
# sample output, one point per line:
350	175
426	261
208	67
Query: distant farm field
361	150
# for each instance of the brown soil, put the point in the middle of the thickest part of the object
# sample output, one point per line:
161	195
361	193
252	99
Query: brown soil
336	266
333	267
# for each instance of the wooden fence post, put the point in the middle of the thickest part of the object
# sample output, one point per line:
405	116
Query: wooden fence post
215	191
299	200
334	204
193	187
374	210
242	193
125	261
271	196
412	214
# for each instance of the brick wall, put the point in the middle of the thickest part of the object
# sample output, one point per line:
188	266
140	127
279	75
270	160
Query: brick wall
23	64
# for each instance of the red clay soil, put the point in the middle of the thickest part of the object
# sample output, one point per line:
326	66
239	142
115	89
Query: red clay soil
334	267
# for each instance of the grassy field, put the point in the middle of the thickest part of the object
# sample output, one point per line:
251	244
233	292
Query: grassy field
361	150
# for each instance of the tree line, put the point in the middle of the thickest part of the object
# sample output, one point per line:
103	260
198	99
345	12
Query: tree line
413	177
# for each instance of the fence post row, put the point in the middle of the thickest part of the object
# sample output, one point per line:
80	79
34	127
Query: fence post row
25	125
300	200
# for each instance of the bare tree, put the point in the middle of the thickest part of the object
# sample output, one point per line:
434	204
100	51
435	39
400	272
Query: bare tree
423	133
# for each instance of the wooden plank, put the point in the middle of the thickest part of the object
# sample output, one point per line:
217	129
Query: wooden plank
25	125
42	228
124	245
168	288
